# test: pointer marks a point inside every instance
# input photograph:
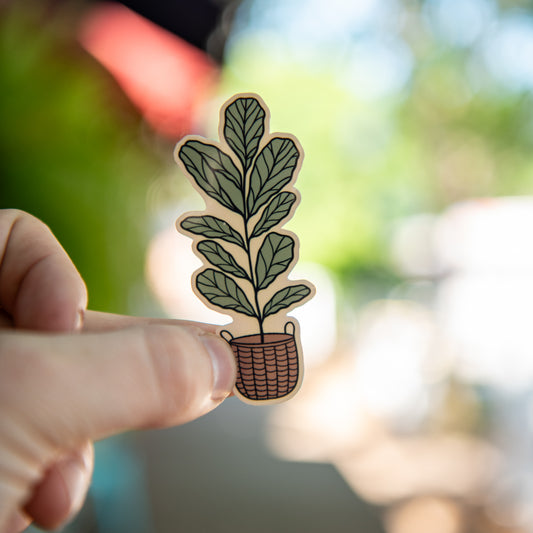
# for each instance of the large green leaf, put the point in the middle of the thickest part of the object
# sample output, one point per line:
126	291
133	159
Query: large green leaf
274	212
244	127
222	291
212	227
273	258
220	258
273	169
215	172
286	297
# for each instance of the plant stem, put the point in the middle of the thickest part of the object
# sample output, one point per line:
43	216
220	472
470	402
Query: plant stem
259	318
253	280
247	239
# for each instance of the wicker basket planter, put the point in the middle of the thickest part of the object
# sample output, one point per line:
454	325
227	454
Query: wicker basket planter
266	369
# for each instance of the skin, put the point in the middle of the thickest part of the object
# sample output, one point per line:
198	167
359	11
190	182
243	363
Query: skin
69	376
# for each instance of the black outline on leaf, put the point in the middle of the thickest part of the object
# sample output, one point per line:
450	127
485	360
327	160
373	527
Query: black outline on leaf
274	213
215	172
221	258
273	169
244	127
212	227
222	291
274	257
286	297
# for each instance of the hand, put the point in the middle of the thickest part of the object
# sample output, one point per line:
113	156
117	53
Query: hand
70	376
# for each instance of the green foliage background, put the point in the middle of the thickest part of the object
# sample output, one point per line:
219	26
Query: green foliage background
75	153
72	151
452	132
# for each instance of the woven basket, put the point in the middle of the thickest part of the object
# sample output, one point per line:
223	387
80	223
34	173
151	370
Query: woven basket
266	370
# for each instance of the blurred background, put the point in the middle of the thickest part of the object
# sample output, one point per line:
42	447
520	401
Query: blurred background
416	116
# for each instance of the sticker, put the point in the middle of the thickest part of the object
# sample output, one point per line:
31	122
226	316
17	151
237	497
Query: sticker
247	183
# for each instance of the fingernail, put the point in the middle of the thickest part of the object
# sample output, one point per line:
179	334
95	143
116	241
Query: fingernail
74	475
79	320
224	368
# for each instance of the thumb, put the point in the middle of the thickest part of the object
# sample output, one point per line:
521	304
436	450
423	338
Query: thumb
70	388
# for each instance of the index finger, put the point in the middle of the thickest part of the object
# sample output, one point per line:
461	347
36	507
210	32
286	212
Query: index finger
40	287
98	321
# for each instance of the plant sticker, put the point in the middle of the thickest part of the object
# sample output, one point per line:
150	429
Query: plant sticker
247	183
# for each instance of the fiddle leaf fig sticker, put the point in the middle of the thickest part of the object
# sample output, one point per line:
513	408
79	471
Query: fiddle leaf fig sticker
247	180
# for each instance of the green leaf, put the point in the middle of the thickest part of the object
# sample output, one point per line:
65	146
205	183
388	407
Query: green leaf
212	227
273	258
220	258
244	127
274	212
215	172
273	169
286	297
222	291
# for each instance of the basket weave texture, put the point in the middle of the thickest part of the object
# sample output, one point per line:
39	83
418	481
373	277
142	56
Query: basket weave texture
266	370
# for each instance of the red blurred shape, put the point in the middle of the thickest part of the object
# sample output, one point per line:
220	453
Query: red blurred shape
164	76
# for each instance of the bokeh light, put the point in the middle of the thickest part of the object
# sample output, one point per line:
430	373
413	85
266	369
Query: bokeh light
166	77
416	118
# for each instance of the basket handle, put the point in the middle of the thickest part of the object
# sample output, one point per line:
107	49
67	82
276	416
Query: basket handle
226	335
289	328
